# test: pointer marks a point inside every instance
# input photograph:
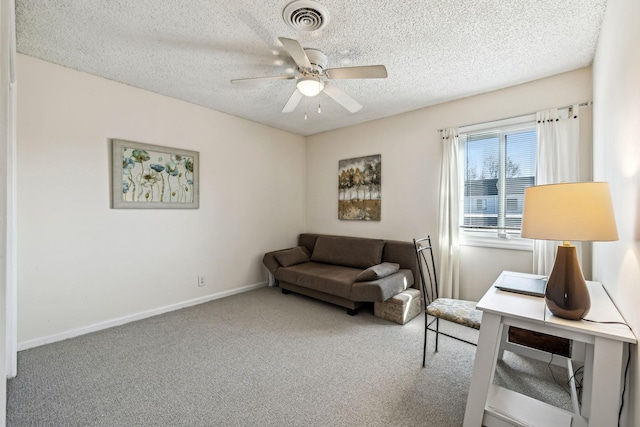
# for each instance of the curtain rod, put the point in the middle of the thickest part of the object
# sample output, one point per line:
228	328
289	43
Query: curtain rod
582	104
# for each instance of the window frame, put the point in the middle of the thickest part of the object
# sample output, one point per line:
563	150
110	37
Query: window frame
492	238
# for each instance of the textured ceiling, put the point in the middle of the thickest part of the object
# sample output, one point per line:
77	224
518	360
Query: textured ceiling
434	51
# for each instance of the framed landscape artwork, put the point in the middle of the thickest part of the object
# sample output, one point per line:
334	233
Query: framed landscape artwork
359	183
149	176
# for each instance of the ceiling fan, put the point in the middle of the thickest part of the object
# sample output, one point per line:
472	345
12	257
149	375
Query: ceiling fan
314	78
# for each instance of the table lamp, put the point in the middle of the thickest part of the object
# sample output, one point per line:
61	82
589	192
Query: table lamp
580	211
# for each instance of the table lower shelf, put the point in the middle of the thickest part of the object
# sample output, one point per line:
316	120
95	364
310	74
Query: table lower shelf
508	408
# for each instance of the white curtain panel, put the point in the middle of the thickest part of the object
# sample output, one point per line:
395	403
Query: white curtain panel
558	144
8	180
448	217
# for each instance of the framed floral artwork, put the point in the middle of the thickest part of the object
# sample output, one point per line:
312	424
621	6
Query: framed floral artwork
359	185
149	176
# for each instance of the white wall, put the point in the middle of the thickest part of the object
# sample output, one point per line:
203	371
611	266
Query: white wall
82	263
6	142
617	160
410	147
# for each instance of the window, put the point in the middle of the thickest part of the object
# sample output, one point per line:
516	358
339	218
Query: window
513	205
498	161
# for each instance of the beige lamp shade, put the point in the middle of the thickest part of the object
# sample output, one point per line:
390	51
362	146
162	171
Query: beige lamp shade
579	211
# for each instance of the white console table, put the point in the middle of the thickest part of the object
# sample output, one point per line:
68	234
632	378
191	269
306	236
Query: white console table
491	405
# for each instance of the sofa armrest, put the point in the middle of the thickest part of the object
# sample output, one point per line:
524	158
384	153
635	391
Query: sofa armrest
403	253
270	261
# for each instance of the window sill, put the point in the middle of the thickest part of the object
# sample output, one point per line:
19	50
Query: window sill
515	243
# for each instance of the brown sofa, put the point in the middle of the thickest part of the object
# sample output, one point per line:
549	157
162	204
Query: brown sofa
347	271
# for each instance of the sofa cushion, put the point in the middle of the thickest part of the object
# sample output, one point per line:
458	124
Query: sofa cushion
308	240
348	251
378	271
330	279
381	289
293	256
403	253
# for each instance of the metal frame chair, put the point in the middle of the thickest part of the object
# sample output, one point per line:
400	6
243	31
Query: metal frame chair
457	311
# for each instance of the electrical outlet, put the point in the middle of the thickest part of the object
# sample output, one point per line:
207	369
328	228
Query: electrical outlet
201	281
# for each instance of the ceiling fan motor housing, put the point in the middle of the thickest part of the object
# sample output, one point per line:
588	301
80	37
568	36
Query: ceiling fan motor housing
318	59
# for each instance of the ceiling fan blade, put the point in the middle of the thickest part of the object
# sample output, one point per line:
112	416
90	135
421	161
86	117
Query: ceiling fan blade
261	79
291	104
296	52
342	98
364	72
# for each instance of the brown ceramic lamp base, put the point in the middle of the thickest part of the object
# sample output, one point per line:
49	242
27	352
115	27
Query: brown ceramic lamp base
567	295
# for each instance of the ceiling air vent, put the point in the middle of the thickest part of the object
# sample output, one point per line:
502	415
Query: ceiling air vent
305	15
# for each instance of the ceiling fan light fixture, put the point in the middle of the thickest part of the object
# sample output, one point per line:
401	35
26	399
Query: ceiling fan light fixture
310	86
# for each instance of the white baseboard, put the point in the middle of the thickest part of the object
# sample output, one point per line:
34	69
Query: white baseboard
133	317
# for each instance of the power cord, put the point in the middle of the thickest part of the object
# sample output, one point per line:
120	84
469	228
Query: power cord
624	385
626	369
554	377
577	381
608	323
577	378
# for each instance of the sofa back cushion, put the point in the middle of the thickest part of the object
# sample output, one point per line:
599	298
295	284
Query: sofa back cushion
348	251
308	240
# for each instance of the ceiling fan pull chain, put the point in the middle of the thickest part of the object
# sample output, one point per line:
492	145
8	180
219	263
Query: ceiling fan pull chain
305	108
319	109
